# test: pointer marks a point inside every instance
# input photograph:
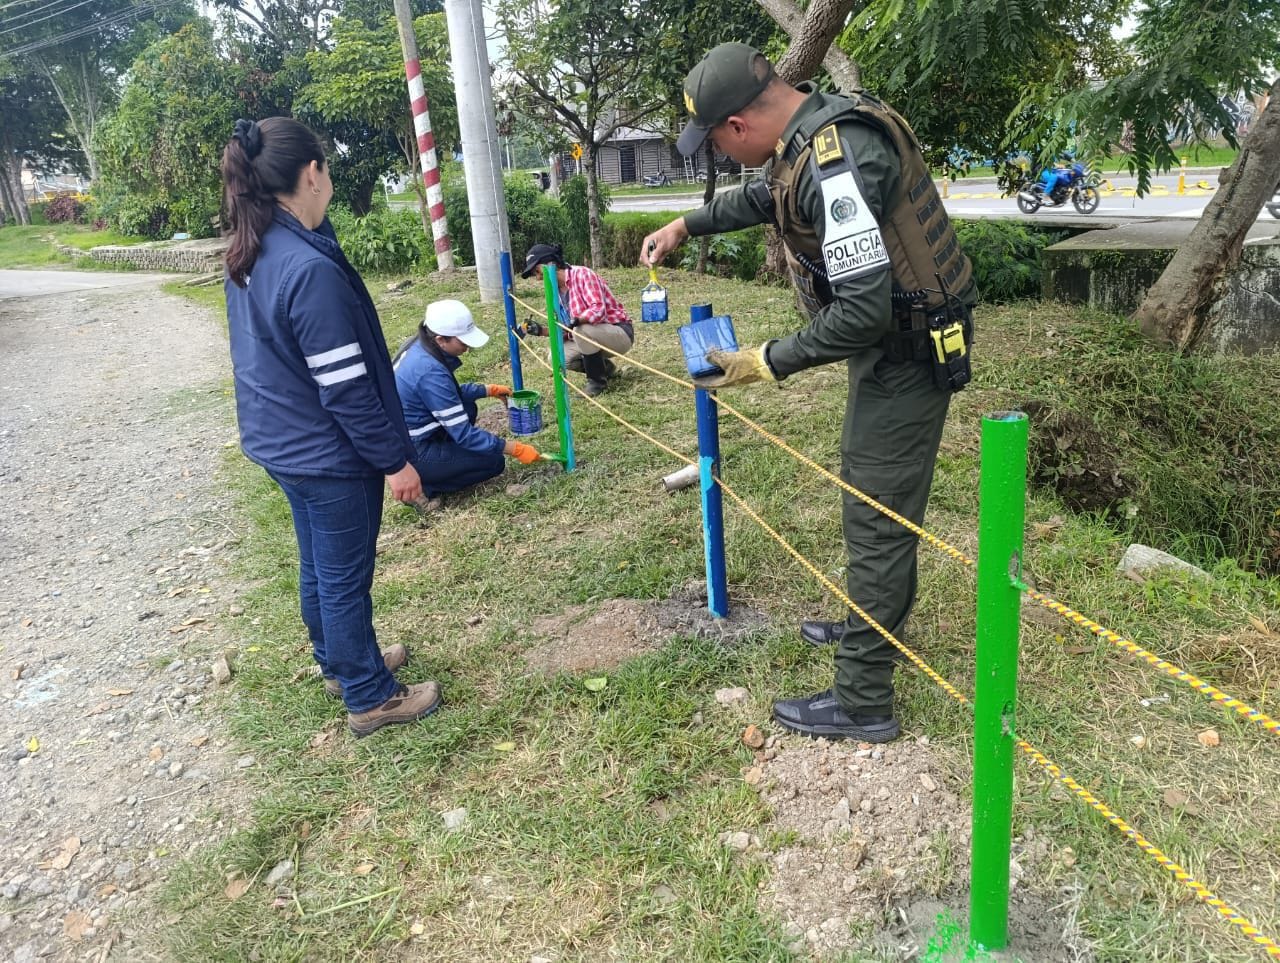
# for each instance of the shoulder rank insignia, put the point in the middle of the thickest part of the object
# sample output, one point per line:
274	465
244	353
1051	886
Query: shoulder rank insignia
826	145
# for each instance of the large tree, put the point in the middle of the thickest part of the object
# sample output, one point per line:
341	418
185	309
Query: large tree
358	90
83	55
583	66
32	131
160	150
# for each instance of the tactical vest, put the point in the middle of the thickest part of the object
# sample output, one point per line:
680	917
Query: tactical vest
918	235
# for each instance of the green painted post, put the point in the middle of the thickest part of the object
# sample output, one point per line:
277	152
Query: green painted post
552	290
1002	489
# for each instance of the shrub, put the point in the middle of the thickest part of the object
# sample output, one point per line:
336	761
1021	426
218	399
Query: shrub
382	241
623	234
1005	256
573	195
737	255
533	217
65	210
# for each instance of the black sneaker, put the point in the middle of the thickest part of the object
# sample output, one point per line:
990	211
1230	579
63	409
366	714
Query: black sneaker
821	633
821	715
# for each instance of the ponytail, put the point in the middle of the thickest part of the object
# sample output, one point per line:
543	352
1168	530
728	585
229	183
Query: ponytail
260	162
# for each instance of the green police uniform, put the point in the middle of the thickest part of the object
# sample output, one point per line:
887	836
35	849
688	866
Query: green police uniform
896	405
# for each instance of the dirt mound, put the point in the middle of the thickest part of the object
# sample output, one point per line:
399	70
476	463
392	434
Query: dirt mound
604	635
878	856
1071	455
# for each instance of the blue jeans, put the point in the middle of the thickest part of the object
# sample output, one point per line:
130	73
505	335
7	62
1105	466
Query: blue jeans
445	466
337	521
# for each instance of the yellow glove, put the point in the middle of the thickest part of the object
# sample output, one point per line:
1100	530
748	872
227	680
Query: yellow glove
739	367
498	391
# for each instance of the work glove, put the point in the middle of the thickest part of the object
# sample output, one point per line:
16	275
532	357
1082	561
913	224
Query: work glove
739	367
534	328
525	454
497	391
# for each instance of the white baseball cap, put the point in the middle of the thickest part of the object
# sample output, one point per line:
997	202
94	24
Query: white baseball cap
452	319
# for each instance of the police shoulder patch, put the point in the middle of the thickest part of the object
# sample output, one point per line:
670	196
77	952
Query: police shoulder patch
826	146
852	246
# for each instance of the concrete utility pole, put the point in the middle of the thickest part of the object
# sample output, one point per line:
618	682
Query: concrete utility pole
426	142
481	160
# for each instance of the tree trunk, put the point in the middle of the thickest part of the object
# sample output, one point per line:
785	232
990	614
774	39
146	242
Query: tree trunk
553	168
593	206
11	175
1176	308
704	242
812	34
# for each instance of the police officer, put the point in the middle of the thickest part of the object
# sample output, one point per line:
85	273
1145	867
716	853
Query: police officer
878	270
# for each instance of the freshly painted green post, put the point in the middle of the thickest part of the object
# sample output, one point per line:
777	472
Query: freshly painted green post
552	290
1002	490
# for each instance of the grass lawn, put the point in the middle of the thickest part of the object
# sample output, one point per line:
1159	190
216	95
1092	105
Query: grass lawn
30	247
594	814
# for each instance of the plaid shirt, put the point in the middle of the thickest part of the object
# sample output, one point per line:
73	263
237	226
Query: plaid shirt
590	300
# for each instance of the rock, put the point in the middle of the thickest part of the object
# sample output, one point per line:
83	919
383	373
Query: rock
12	889
928	782
867	806
753	776
280	872
474	620
729	697
75	892
221	670
664	893
454	819
840	811
244	762
752	737
175	769
1138	742
1141	561
39	886
236	610
739	841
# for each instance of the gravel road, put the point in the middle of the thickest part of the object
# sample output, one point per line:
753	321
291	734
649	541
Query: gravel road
114	535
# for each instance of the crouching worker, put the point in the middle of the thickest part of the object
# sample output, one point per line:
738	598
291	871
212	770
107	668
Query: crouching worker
598	319
451	453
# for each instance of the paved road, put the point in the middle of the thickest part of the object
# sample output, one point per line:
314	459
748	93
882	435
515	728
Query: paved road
30	284
981	198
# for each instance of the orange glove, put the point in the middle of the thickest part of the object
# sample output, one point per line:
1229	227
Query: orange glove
525	454
498	391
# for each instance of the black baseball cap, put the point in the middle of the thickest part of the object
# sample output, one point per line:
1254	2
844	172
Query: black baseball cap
724	81
539	255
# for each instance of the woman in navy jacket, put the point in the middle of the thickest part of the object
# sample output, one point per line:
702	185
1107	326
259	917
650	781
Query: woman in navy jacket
316	403
450	451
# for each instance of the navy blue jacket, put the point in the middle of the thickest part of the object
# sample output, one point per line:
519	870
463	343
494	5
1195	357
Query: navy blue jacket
436	406
315	393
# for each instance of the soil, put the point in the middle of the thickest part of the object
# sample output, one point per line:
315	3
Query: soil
603	636
112	567
1070	455
875	857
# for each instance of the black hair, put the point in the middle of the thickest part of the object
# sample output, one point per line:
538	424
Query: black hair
427	338
260	162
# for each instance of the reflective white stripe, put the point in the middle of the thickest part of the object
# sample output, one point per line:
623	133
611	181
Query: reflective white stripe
337	354
456	421
416	89
415	432
447	412
342	374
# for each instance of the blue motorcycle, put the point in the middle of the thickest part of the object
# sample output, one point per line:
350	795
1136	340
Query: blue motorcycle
1058	184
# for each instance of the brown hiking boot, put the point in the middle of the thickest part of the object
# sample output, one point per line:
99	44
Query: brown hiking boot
410	703
393	657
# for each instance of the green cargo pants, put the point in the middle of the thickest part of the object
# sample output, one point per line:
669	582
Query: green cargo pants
892	429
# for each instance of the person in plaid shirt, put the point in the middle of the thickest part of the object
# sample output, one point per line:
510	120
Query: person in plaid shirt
597	317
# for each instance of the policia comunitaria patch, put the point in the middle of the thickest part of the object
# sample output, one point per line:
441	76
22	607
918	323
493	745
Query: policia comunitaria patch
851	243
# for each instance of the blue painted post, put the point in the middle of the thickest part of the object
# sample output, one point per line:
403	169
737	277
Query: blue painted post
712	497
513	345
